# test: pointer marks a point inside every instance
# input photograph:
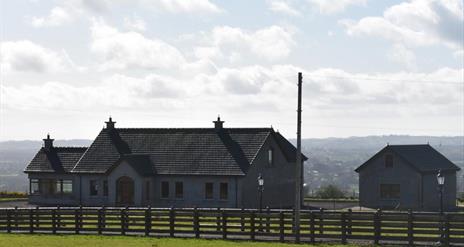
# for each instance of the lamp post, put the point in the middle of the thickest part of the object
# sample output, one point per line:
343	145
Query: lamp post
441	182
260	191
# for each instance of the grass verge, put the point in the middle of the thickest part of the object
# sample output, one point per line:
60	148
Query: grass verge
42	240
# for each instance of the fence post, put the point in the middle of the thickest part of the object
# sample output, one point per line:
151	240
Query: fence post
252	225
343	225
321	221
447	229
81	218
54	221
312	226
268	220
16	217
148	221
123	221
218	220
31	220
196	223
410	228
350	221
58	218
242	220
100	220
8	220
224	224
37	216
377	222
76	221
281	227
171	221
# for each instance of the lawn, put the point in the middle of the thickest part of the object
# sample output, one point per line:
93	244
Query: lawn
20	240
6	199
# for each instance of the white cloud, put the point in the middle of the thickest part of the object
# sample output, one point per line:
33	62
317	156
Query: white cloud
283	7
135	23
57	16
183	6
68	11
334	6
26	56
126	50
235	44
416	23
402	55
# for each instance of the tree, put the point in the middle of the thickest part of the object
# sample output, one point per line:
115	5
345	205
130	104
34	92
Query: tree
330	191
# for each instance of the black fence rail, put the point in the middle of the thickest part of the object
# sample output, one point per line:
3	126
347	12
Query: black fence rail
246	224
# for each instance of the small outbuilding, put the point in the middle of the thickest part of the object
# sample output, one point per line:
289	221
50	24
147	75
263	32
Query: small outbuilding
405	177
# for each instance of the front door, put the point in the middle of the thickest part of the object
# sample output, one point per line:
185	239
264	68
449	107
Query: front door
125	189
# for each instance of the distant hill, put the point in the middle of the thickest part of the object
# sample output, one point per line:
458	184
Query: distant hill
331	160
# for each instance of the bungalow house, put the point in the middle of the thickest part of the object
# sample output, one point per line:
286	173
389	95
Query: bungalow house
164	167
405	177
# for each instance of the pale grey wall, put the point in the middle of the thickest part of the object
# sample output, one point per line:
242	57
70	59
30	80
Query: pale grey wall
375	173
418	191
431	195
124	169
71	199
279	180
194	191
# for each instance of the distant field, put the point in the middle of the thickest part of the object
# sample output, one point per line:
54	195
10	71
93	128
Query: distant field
12	199
23	240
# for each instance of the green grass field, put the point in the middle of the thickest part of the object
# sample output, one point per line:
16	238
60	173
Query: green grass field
20	240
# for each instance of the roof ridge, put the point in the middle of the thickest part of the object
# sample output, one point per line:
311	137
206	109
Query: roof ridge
69	147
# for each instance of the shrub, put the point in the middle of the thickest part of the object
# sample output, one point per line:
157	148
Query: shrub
330	191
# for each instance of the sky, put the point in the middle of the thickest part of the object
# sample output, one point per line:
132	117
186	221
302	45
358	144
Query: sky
369	67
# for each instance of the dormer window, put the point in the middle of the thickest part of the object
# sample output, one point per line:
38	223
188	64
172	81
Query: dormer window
388	161
270	157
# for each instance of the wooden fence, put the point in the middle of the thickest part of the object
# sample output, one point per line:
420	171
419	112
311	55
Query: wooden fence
247	224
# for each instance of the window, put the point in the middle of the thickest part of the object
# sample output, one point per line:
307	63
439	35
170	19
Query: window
389	161
164	189
223	191
34	186
270	157
93	188
147	190
66	186
179	190
208	190
390	191
48	186
105	187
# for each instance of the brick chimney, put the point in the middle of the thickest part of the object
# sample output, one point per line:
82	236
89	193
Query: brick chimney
48	143
218	123
110	124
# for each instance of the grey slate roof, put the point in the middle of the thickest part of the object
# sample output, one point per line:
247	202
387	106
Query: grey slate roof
187	151
191	151
57	159
423	158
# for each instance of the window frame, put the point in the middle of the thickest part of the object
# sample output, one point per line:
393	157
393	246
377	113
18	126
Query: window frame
93	187
179	190
64	182
224	191
147	191
390	191
270	157
162	188
105	188
209	195
35	181
388	160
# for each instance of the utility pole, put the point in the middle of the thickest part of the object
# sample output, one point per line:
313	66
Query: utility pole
298	165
